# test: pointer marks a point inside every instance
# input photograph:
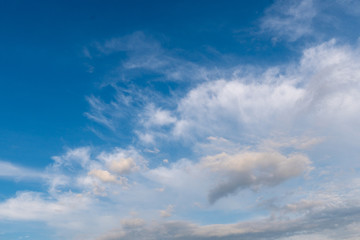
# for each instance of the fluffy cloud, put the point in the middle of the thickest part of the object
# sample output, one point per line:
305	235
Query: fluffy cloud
323	87
157	117
253	169
103	175
122	162
223	174
227	106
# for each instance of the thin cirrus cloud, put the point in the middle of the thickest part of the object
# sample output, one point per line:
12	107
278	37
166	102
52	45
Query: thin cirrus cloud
290	19
11	171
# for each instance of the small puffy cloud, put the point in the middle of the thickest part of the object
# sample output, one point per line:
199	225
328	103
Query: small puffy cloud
147	138
123	165
103	175
157	117
121	161
167	212
253	170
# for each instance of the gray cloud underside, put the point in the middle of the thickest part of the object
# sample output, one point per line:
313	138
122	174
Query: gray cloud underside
325	222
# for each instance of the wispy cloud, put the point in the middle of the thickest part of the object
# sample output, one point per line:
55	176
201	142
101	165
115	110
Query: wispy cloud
290	19
9	170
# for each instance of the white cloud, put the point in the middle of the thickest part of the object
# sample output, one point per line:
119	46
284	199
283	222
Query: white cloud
77	156
290	19
157	117
123	165
9	170
122	162
243	133
223	174
322	87
227	106
36	206
103	175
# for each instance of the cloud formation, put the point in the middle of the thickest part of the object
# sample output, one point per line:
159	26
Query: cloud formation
290	19
235	152
327	223
253	170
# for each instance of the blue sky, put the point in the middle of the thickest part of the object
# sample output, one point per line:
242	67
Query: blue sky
179	120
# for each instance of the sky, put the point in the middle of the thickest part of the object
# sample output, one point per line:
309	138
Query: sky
180	120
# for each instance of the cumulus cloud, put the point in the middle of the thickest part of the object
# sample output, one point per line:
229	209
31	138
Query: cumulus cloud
123	165
227	106
253	170
322	85
157	117
103	175
223	174
122	162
